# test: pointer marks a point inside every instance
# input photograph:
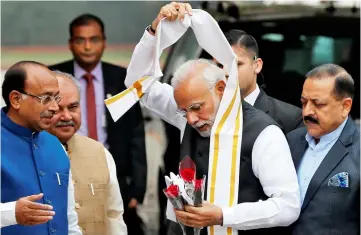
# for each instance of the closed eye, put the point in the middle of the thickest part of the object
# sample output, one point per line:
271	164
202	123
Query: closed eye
195	107
320	105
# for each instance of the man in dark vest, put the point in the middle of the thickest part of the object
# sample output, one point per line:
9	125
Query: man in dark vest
268	197
268	193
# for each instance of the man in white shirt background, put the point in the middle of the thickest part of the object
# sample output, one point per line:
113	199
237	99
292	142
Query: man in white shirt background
98	200
250	65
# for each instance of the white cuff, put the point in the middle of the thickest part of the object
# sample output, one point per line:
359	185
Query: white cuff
227	216
148	38
8	214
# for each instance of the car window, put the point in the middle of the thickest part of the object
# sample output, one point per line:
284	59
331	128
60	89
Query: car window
312	51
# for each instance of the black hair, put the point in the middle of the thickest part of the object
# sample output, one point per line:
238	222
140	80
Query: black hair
85	19
242	39
344	84
14	79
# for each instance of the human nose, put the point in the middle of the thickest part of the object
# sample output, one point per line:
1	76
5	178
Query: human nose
87	45
308	110
65	115
53	106
192	118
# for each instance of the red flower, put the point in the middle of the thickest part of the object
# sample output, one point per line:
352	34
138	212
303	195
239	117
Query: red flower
172	190
198	184
187	174
187	169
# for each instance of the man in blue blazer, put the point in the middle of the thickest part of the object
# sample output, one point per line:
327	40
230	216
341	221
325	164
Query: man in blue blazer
326	154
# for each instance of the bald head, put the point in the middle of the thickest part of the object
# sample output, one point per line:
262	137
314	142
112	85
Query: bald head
21	73
30	91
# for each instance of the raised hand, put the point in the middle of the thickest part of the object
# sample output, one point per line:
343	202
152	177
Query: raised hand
171	12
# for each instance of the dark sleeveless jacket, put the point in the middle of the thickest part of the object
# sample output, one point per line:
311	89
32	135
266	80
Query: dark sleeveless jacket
250	189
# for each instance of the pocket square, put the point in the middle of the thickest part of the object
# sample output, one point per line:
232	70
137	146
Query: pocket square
339	180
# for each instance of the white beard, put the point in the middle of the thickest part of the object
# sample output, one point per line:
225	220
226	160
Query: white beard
210	121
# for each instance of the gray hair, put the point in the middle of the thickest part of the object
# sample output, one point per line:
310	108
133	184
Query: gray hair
212	74
344	85
70	77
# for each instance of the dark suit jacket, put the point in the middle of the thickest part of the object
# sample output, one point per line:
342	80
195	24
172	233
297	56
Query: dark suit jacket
126	137
326	209
289	117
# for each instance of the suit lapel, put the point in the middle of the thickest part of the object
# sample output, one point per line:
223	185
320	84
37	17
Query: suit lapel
299	150
106	83
107	94
261	102
332	159
71	68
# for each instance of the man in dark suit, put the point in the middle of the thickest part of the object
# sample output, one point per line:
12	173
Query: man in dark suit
326	154
288	116
125	138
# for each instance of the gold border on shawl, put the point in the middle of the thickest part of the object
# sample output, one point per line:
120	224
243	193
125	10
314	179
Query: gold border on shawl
136	85
234	161
216	148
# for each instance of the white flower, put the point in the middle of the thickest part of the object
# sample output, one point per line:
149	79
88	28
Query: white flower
177	180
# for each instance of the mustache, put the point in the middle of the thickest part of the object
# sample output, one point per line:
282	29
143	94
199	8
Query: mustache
47	114
201	123
64	123
310	119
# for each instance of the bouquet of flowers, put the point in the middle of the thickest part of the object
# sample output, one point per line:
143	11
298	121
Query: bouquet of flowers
185	189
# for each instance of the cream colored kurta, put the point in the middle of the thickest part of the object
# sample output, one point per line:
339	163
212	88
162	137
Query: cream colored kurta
98	200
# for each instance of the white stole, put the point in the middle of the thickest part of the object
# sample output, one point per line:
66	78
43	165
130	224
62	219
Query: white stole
226	134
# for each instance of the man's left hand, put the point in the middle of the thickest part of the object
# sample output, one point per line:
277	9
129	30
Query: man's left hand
199	217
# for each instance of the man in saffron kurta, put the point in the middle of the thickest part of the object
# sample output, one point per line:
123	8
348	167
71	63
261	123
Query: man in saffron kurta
34	165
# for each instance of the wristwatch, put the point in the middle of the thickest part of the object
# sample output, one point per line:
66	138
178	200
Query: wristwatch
150	29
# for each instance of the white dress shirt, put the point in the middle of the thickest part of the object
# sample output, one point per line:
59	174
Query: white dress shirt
271	157
314	156
98	83
8	212
251	98
115	208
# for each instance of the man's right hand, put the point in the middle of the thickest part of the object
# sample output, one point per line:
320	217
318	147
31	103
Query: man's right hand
171	12
29	212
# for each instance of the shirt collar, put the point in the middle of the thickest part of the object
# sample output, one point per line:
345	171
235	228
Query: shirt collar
328	137
79	72
251	98
13	127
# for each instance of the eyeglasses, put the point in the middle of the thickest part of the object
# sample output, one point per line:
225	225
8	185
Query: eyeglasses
196	107
44	99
